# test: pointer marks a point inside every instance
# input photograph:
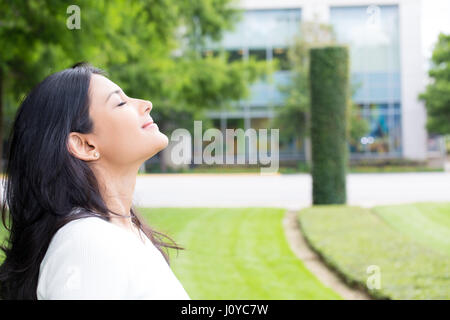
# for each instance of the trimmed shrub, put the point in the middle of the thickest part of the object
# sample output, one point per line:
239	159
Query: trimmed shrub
329	77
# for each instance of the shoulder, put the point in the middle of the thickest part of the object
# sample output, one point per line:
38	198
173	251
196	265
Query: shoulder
89	237
87	257
91	258
91	229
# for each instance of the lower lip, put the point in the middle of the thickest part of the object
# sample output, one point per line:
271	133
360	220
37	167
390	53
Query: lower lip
153	125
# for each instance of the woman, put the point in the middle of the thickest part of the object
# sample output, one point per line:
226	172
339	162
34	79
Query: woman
75	149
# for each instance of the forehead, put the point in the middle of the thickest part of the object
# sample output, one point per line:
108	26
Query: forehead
100	87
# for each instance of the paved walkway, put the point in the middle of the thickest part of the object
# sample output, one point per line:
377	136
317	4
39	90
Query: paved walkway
285	191
299	245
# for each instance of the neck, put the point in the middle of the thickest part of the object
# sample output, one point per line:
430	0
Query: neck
116	188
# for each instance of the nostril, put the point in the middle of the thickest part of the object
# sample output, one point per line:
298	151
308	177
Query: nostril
148	108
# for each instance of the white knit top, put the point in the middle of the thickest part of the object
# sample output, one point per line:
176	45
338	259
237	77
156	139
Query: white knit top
91	258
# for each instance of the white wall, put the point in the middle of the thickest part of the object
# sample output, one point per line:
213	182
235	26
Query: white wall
413	74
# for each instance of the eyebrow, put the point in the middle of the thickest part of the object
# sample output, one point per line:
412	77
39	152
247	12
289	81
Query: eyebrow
115	91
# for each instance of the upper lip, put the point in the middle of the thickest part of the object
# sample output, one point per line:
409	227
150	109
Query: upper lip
147	123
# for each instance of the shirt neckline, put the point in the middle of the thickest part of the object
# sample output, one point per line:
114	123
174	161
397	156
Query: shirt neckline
131	233
145	238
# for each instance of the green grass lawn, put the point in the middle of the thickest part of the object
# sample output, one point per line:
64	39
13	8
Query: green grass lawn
409	243
427	223
235	254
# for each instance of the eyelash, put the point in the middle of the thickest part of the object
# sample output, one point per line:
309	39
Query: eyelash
122	103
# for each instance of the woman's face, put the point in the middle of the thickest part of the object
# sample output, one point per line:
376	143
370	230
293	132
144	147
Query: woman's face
119	136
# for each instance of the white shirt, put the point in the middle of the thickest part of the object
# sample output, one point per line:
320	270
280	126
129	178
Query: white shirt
90	258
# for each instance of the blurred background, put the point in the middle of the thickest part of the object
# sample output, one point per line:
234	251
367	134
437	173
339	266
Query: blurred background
245	64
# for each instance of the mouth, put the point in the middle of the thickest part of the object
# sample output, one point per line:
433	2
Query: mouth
148	124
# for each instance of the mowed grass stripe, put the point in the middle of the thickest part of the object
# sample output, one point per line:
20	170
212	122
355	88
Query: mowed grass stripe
351	239
427	223
235	254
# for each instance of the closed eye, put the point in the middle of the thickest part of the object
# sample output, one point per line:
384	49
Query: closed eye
122	103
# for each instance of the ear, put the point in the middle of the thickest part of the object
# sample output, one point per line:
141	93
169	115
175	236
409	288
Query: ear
80	147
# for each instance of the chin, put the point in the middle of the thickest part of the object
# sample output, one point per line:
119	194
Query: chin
160	143
164	141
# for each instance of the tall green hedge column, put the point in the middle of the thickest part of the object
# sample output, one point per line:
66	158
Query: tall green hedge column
329	76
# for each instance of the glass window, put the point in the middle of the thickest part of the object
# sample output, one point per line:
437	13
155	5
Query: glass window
210	53
263	28
281	55
260	123
396	133
258	54
372	33
384	132
216	123
234	123
234	55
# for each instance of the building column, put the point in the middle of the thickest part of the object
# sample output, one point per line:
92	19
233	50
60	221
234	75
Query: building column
414	134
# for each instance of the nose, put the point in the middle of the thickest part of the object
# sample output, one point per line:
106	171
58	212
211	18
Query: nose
148	106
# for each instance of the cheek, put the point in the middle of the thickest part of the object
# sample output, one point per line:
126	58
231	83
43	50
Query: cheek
124	141
119	128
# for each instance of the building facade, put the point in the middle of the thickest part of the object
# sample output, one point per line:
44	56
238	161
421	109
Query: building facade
387	70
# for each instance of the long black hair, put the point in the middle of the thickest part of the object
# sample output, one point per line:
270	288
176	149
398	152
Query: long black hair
44	181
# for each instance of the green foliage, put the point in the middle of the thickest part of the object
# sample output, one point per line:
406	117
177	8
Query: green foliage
437	93
350	239
329	77
151	48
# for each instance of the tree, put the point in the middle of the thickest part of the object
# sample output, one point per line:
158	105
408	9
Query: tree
136	42
437	93
36	41
25	26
